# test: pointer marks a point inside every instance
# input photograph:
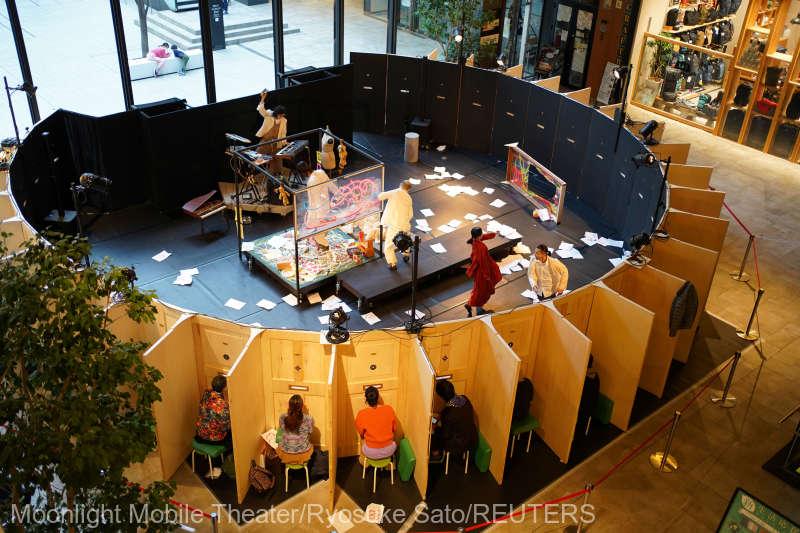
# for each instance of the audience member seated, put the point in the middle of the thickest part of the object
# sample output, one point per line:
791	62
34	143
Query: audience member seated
294	444
214	423
455	430
522	401
376	424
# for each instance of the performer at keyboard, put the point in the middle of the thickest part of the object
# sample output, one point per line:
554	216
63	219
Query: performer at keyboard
273	127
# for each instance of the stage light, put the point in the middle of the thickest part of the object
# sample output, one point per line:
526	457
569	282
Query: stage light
620	72
337	331
644	160
403	241
647	132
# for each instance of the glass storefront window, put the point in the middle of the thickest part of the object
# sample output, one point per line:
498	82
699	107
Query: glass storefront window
365	26
308	34
146	30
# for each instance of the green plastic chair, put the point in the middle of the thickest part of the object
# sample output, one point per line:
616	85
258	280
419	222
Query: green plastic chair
406	460
294	466
526	425
376	464
483	454
209	450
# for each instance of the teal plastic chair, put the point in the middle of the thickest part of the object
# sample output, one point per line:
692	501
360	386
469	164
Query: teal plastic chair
526	425
209	450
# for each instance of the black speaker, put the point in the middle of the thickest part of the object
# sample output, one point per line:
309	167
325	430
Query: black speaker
403	88
510	111
540	125
369	91
441	100
478	88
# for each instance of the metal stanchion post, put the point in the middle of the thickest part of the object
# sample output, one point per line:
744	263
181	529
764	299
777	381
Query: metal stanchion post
663	461
214	523
741	275
747	334
722	398
589	487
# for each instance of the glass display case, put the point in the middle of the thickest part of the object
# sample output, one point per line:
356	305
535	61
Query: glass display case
336	210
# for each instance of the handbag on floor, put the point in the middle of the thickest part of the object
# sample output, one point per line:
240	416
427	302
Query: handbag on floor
261	479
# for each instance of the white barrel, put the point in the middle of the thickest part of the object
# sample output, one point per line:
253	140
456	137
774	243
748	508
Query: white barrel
412	147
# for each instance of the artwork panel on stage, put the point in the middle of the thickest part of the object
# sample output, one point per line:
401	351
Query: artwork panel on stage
535	182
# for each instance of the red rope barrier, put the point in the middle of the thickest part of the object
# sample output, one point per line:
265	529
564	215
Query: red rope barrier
737	219
751	234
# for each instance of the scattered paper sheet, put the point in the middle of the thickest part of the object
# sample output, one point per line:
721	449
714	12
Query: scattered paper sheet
445	175
426	212
616	260
160	256
266	304
314	298
323	319
565	246
488	190
590	236
457	176
438	248
544	214
248	246
331	299
190	272
183	280
422	221
441	148
524	263
290	299
374	513
233	303
564	253
414	181
432	177
515	267
340	521
497	203
371	318
346	308
439	170
610	242
520	248
486	217
444	228
424	229
454	223
505	271
575	254
527	293
588	242
417	314
471	216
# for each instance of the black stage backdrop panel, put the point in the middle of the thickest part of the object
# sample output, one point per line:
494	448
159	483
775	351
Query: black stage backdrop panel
643	200
369	91
478	89
403	90
510	110
540	125
598	161
37	187
570	145
621	183
441	100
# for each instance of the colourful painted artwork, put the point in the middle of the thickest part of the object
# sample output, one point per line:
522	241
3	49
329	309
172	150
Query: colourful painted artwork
536	183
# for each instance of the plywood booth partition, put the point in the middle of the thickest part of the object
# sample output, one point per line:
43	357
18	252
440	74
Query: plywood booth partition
703	231
189	355
655	290
582	95
698	201
691	263
396	364
695	176
127	329
167	315
554	83
679	152
620	331
479	363
554	355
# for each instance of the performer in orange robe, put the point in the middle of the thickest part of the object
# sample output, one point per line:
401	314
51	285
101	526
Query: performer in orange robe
483	270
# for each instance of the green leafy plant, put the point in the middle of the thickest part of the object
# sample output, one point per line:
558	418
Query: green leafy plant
75	401
442	20
659	61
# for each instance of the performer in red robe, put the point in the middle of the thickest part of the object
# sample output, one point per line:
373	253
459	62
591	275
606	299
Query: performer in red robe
483	270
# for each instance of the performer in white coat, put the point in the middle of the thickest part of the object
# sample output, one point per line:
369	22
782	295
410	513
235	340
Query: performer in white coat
548	275
397	215
320	190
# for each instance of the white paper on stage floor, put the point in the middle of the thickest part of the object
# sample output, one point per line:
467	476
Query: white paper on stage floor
610	242
424	229
421	221
494	226
510	260
290	299
470	191
445	175
183	280
589	235
453	193
333	306
370	318
441	148
426	212
190	271
432	177
233	303
457	176
444	228
515	267
323	319
564	254
486	217
248	246
524	263
513	235
544	214
314	298
414	181
438	248
160	256
269	305
588	242
575	254
565	246
374	513
488	190
471	216
497	203
616	260
417	313
527	293
332	299
505	271
520	248
454	223
439	170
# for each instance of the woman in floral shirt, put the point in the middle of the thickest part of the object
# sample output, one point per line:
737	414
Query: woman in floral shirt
214	422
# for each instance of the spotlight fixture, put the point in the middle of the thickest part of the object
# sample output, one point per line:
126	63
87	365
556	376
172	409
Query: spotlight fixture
337	331
647	132
644	160
620	72
95	182
403	241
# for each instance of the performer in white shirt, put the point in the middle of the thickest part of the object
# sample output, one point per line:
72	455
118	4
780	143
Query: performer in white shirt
548	275
320	188
273	127
396	217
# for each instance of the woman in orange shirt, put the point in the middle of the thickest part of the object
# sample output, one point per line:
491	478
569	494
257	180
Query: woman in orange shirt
376	424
